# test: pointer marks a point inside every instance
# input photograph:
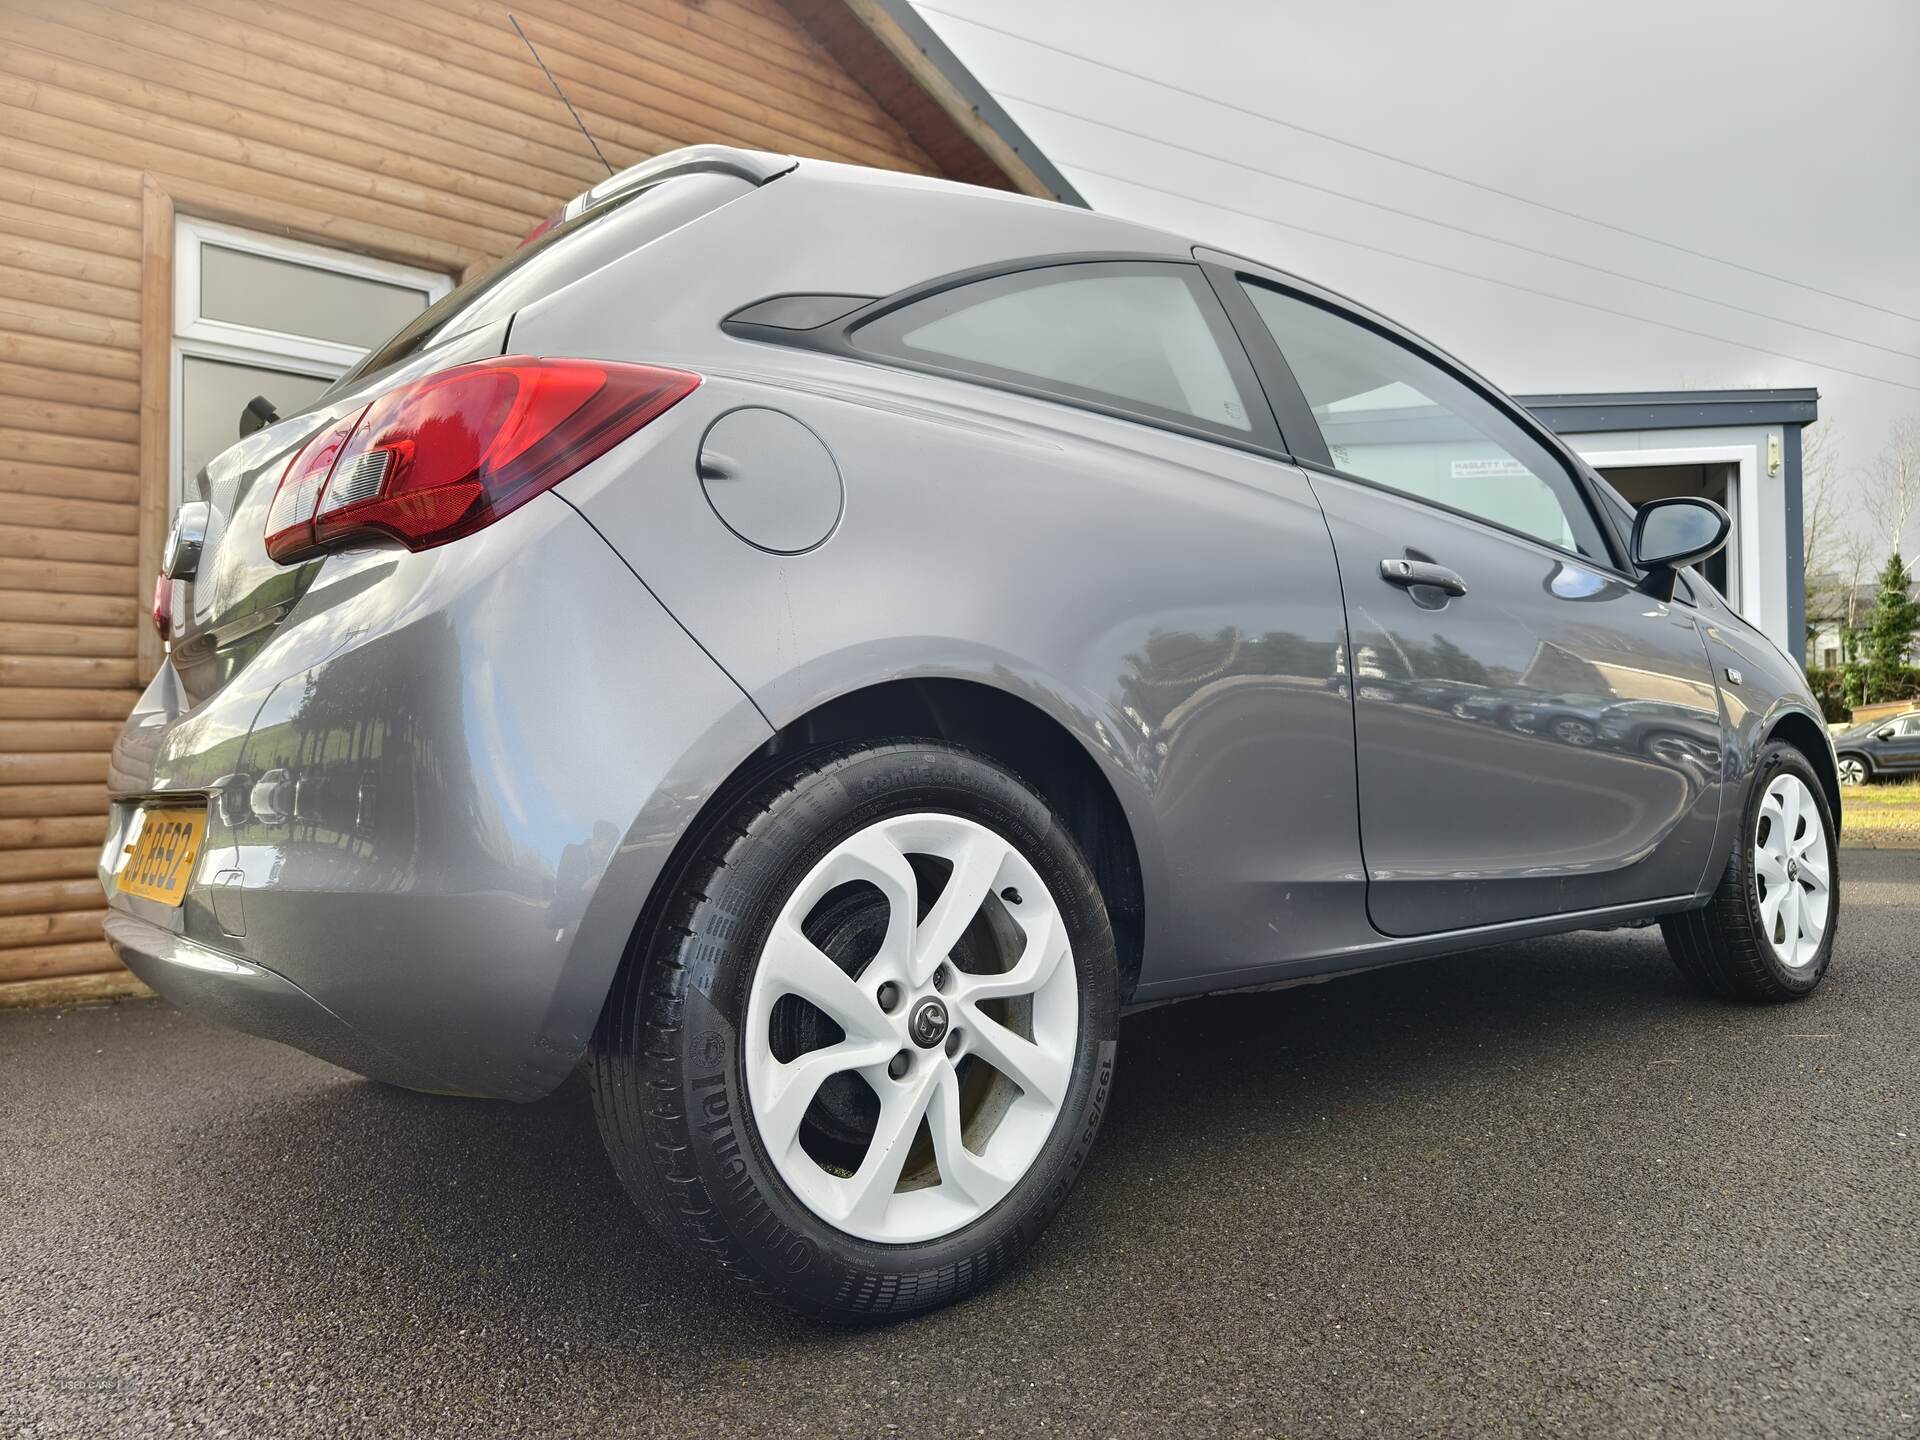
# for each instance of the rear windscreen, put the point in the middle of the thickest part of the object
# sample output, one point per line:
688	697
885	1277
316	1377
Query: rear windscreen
596	237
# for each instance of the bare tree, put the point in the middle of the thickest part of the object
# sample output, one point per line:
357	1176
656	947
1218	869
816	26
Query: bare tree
1893	484
1822	524
1858	557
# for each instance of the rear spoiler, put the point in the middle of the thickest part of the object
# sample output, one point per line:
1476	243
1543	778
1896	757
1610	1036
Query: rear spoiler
756	167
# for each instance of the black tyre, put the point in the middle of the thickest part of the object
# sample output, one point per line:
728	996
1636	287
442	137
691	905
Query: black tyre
861	1052
1768	932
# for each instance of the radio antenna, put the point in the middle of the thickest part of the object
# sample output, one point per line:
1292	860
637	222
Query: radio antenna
557	90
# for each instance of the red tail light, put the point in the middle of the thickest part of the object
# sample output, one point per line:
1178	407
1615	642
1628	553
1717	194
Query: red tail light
448	455
163	605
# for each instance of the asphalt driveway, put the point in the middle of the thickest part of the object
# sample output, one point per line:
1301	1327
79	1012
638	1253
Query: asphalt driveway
1539	1189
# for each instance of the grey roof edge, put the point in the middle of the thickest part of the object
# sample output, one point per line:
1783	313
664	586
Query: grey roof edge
981	99
1598	412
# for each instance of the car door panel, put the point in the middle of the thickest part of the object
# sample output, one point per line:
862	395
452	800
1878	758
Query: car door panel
1547	742
1533	736
1900	752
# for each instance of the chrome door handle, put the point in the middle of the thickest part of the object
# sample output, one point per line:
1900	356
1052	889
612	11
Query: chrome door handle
1409	573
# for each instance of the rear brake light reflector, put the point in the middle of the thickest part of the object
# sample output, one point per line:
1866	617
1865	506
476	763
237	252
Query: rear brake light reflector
451	453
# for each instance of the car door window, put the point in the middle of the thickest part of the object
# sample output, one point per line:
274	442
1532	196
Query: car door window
1391	416
1909	727
1143	337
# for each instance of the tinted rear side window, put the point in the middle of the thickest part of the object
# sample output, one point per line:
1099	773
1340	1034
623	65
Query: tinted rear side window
1135	335
561	256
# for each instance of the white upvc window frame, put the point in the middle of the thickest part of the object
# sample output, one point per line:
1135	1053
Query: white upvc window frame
189	325
195	335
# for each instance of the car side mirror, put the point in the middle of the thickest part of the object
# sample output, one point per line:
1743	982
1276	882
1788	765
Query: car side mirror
257	414
1672	533
1884	733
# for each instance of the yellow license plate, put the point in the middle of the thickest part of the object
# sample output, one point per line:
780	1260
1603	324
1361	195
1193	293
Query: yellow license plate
161	853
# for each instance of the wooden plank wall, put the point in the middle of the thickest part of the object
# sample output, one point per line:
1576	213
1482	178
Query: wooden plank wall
417	130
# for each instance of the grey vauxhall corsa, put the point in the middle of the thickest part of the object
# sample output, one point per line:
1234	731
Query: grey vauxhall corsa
821	644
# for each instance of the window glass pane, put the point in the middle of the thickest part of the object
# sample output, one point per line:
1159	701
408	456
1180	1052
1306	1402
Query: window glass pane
269	293
1394	418
1138	338
212	394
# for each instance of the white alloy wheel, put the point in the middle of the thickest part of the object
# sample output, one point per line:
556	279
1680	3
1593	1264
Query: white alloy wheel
1791	873
959	1026
1853	770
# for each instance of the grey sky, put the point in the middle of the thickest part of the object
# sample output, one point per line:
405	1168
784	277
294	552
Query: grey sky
1785	137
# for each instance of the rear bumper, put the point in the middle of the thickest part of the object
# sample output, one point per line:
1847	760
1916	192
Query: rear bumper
232	992
438	798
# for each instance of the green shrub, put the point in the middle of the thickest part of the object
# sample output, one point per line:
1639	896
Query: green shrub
1829	688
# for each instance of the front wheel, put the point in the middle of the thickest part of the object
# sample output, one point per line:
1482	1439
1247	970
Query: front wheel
1768	932
863	1055
1854	770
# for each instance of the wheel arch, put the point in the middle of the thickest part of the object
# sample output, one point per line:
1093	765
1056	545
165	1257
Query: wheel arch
1017	734
1809	737
1036	745
993	722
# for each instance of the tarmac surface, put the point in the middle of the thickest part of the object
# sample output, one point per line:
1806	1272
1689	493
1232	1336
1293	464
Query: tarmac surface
1541	1189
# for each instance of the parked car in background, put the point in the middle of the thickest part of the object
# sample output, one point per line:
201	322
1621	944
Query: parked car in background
1659	729
1570	719
1879	748
819	644
1494	705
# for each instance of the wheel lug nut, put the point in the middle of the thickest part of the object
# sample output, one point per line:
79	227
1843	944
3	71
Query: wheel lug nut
940	977
953	1044
889	997
899	1065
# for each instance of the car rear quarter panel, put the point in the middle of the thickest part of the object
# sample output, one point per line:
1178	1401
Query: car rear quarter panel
1172	604
447	784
